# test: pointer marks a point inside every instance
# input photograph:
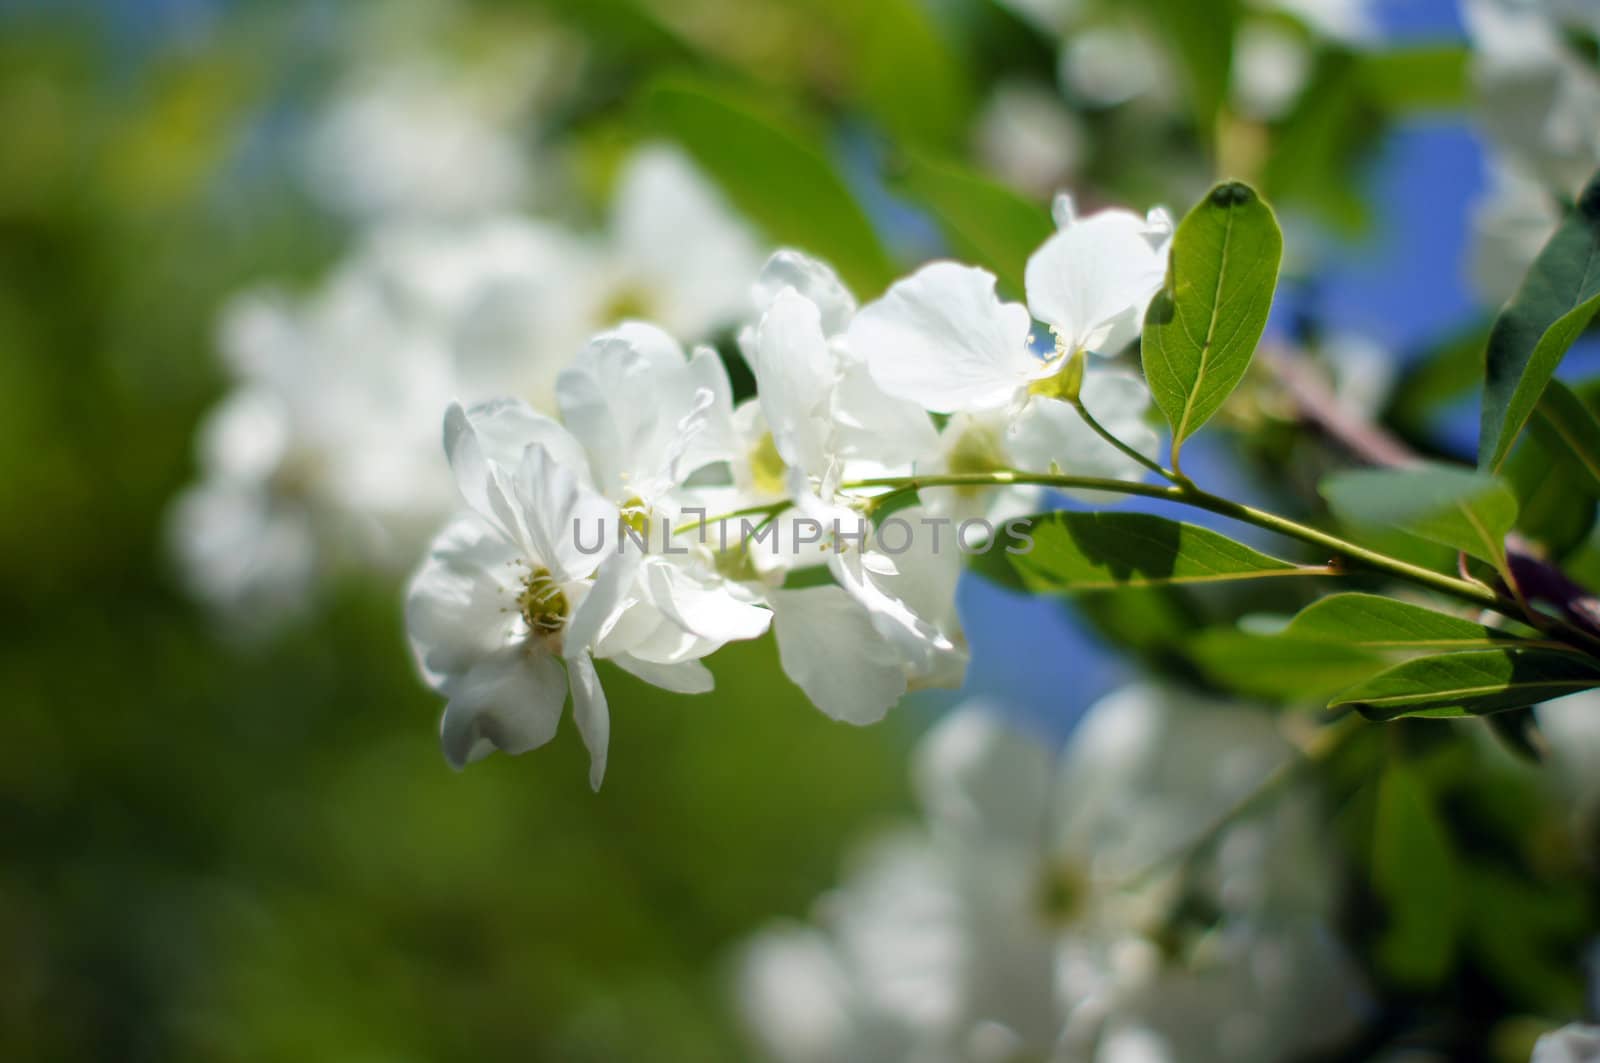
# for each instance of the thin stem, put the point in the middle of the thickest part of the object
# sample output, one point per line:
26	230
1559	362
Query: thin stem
1186	493
1105	433
768	510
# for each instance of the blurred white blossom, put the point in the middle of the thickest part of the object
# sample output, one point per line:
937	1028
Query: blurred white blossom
1537	98
326	451
1059	908
1575	1043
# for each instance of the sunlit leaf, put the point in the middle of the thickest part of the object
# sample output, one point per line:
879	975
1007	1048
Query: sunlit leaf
1203	327
1455	507
1374	622
1098	551
1473	683
1279	667
985	222
773	170
1558	297
904	70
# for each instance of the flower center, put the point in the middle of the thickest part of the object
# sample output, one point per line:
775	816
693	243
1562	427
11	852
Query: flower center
635	516
1065	384
541	603
629	302
976	451
766	467
1062	891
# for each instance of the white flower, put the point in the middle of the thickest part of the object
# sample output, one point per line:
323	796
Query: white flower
942	338
886	625
508	609
648	418
412	140
1537	96
1092	279
1573	1043
1027	135
324	452
677	255
1040	911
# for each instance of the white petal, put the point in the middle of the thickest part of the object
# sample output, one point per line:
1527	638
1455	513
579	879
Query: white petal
705	607
506	427
590	713
674	228
1092	280
794	379
480	482
943	339
685	677
812	279
458	607
557	508
607	597
872	426
647	416
829	648
511	700
1052	432
981	780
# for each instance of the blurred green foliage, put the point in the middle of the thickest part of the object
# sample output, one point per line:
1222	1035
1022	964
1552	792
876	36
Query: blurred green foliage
220	851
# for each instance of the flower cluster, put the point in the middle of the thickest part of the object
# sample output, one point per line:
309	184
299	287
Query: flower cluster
327	448
655	521
1109	904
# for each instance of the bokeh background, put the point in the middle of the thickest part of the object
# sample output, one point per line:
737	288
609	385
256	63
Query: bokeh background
234	848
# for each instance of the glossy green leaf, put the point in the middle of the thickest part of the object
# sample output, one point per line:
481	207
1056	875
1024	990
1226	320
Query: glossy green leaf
1455	507
1203	326
1099	551
1473	683
1373	622
985	222
1559	296
774	171
1279	668
1565	423
1555	495
1415	871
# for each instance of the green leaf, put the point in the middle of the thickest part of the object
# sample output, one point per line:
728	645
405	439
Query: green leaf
1280	667
1373	622
773	171
1317	147
1559	296
1203	327
985	222
1565	424
904	71
1408	80
1415	871
1098	551
1555	496
1459	508
1474	683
